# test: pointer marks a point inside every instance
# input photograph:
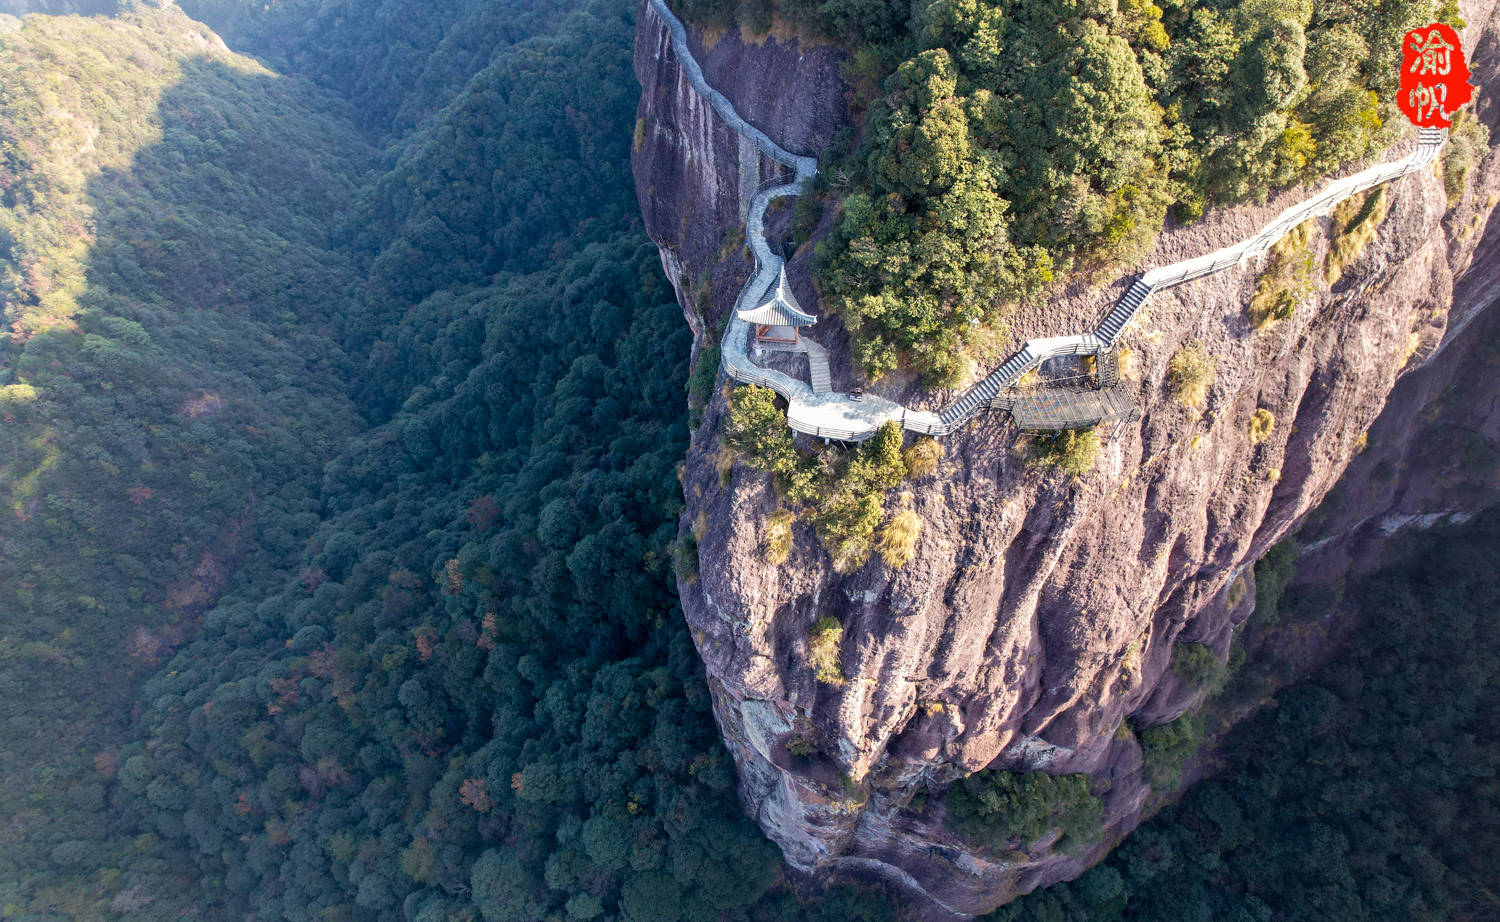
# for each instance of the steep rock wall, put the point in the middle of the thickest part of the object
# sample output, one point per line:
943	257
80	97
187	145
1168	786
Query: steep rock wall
1038	614
695	177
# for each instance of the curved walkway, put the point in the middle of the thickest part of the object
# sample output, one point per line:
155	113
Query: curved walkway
838	416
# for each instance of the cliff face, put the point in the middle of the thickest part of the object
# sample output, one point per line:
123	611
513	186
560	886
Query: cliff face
695	177
1039	613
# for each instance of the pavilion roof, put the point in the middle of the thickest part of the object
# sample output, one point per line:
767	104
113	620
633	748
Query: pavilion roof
777	306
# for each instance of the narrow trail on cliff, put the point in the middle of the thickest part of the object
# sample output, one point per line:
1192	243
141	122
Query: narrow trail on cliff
849	418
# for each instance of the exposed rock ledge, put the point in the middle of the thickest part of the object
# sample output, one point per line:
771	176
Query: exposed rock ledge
1038	614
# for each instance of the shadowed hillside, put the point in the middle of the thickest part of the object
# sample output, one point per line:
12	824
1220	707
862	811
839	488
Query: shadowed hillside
169	388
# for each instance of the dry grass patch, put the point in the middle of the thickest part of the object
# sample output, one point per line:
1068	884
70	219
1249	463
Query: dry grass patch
922	457
897	540
1191	372
724	465
1413	343
1468	141
777	542
1262	424
1355	222
823	642
1287	282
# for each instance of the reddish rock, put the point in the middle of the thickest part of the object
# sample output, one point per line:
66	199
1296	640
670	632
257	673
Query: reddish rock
1039	614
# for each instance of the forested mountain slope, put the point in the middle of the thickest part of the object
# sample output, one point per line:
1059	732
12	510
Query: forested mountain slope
443	674
168	388
1366	791
397	62
1006	144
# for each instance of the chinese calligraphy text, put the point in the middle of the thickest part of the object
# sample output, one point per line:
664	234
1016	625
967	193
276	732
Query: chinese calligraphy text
1434	76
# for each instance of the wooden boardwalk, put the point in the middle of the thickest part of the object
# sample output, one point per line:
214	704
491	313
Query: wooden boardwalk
1048	409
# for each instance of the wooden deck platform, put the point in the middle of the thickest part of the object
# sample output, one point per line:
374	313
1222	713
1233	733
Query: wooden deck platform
1050	409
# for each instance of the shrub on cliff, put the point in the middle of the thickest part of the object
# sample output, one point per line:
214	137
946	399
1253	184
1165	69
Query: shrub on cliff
1198	666
757	430
1262	422
878	461
1273	573
846	523
1166	746
701	384
854	497
1071	450
1005	810
823	642
846	488
897	541
1191	373
685	558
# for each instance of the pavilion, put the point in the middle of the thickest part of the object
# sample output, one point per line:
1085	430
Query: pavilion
777	315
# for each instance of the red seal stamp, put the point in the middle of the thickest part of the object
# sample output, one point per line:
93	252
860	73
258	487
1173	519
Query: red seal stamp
1434	76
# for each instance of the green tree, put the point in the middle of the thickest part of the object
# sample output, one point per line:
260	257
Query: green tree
1007	810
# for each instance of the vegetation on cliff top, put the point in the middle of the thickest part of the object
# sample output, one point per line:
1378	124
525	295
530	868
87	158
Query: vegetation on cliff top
1007	141
842	490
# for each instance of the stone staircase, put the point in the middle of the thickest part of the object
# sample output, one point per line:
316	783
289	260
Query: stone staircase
817	367
1114	322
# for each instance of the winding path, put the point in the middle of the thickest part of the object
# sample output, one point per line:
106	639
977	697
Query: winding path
838	416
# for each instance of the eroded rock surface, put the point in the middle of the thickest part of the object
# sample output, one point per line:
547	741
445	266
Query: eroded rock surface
1039	613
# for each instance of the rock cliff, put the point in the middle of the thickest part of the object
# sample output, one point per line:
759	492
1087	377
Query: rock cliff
1039	613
